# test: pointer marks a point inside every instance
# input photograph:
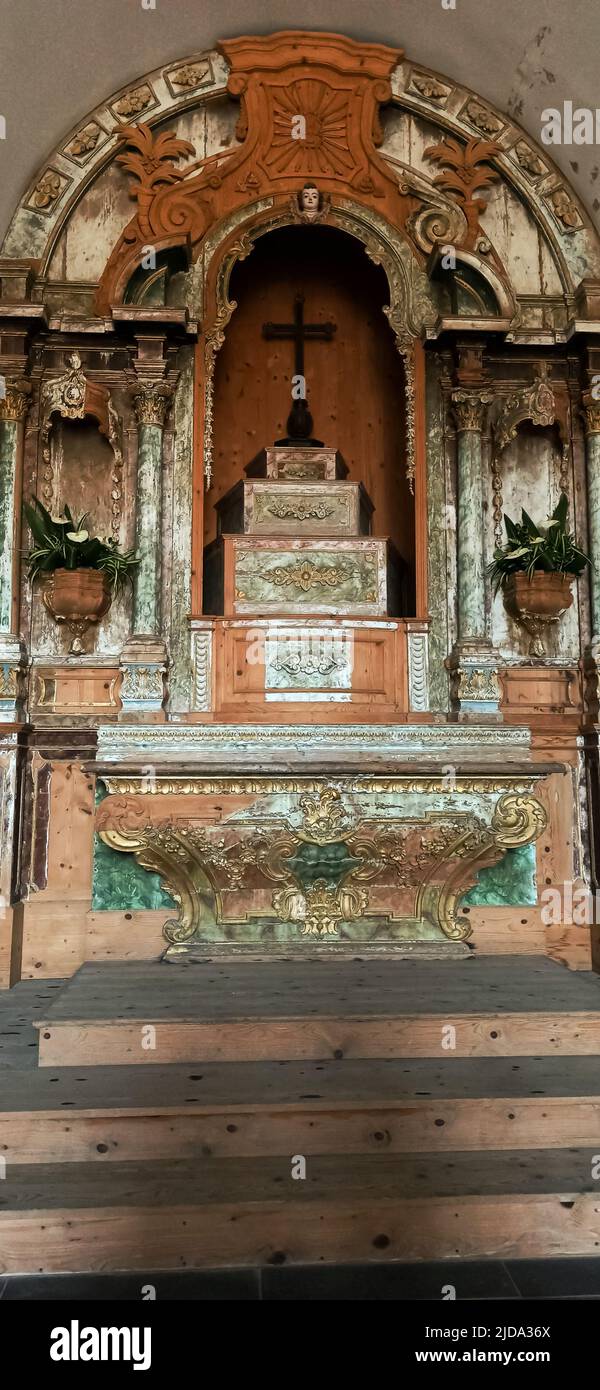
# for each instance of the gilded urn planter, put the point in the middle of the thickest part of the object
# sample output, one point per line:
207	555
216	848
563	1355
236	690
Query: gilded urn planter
79	598
538	603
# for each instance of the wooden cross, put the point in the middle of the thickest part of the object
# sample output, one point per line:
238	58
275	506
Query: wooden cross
299	331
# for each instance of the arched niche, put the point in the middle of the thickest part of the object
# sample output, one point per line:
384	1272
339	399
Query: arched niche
81	449
405	303
356	384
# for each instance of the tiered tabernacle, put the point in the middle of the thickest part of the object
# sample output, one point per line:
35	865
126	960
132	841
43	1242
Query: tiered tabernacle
294	538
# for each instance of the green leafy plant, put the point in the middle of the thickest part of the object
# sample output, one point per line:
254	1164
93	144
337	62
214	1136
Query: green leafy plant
61	542
551	548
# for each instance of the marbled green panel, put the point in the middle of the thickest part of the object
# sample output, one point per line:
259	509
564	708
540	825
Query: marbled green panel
511	883
593	484
438	537
177	593
471	584
146	587
8	453
119	883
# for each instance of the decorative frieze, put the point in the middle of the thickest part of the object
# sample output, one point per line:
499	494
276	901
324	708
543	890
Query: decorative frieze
134	102
85	142
482	118
47	191
190	77
525	157
429	87
418	671
202	645
198	746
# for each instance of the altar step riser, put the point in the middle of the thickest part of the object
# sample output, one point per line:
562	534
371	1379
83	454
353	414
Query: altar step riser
346	1229
109	1043
430	1127
184	1238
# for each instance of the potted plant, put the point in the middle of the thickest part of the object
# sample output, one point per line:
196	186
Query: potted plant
535	570
86	571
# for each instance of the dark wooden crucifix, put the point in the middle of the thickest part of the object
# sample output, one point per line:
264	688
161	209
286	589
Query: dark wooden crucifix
299	423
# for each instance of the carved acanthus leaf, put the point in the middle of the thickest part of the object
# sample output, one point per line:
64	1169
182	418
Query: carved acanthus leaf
465	172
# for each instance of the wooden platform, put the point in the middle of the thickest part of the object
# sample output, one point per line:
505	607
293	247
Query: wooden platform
481	1150
274	1010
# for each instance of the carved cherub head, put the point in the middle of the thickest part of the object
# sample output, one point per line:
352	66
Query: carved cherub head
310	199
309	205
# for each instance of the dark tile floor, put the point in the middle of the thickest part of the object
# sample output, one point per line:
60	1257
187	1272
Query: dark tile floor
572	1278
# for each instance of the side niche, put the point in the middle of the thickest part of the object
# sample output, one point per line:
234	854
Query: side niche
81	464
531	465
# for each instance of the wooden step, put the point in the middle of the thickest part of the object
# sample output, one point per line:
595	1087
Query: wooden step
231	1211
106	1114
140	1013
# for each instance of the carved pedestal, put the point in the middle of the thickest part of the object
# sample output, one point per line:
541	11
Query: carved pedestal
357	576
288	861
281	508
297	464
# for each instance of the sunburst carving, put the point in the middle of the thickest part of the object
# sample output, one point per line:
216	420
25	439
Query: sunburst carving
323	150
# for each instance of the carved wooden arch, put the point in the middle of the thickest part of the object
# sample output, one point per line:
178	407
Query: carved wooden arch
409	313
182	84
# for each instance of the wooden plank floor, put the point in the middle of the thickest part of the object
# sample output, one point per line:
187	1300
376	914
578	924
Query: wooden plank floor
270	1179
233	1211
413	1151
226	1085
209	992
105	1114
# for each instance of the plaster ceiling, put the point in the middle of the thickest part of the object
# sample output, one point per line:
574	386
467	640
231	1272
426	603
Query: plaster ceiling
60	58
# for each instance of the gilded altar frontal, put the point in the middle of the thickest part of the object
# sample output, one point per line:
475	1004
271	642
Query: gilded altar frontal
299	661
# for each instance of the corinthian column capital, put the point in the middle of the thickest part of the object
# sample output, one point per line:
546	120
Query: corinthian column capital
590	413
14	399
469	407
152	401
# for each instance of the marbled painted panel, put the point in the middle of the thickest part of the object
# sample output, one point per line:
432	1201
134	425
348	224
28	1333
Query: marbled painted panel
511	883
120	884
177	519
441	541
341	577
8	455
